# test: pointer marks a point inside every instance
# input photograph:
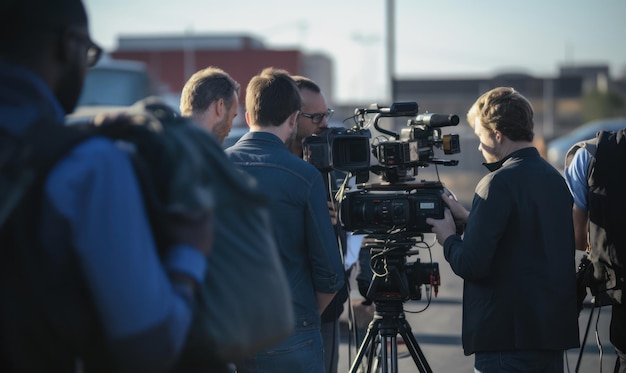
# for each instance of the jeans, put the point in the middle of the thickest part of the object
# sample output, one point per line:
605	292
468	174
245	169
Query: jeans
301	352
519	361
330	336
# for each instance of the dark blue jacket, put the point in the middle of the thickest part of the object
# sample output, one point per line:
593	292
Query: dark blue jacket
517	258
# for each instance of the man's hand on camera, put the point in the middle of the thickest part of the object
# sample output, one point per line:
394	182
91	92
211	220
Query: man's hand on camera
192	229
459	212
443	228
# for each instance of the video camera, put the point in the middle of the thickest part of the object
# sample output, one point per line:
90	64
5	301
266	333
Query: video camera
391	214
397	203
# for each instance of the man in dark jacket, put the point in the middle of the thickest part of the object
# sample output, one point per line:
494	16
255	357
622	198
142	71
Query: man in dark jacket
83	287
517	254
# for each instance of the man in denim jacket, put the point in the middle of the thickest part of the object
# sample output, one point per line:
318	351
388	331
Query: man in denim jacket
302	225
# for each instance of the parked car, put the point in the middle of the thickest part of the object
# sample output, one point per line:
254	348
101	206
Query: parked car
558	147
113	85
116	83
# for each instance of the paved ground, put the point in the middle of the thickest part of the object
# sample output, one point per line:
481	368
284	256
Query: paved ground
438	331
438	328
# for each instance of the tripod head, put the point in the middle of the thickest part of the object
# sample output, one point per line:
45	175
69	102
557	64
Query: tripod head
394	278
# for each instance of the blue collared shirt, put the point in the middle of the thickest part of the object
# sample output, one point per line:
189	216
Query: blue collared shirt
576	177
93	217
301	221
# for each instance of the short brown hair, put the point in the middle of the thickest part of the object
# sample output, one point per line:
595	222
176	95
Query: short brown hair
506	110
305	83
206	86
271	97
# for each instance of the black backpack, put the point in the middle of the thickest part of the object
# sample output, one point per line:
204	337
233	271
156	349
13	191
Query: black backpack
244	305
602	269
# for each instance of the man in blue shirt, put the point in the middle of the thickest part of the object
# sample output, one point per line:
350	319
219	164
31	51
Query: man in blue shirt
103	299
302	226
596	176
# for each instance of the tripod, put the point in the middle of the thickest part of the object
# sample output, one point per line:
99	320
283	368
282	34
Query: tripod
389	292
388	322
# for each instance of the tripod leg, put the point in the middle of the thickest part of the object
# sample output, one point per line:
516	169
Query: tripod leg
384	353
389	354
414	348
582	345
372	331
373	355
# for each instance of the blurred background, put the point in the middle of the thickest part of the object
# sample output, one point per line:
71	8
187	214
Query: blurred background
566	56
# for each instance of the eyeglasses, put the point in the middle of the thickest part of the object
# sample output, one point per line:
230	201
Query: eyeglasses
93	50
318	117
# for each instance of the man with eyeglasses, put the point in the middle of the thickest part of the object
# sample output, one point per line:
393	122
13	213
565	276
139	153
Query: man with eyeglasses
317	118
83	286
315	113
313	121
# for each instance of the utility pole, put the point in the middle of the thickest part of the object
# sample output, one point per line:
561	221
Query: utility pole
391	49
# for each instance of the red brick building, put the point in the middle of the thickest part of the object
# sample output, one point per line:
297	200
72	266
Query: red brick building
171	60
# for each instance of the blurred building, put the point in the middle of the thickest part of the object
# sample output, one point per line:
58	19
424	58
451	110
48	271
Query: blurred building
172	59
557	101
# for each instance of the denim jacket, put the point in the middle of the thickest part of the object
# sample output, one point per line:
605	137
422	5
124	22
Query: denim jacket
301	221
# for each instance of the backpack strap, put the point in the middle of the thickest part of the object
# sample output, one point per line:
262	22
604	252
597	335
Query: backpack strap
27	158
591	145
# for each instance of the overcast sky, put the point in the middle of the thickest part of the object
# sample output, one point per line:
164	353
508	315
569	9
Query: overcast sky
434	38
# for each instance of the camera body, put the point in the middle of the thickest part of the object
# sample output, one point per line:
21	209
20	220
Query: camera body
385	207
415	145
403	280
339	149
419	274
